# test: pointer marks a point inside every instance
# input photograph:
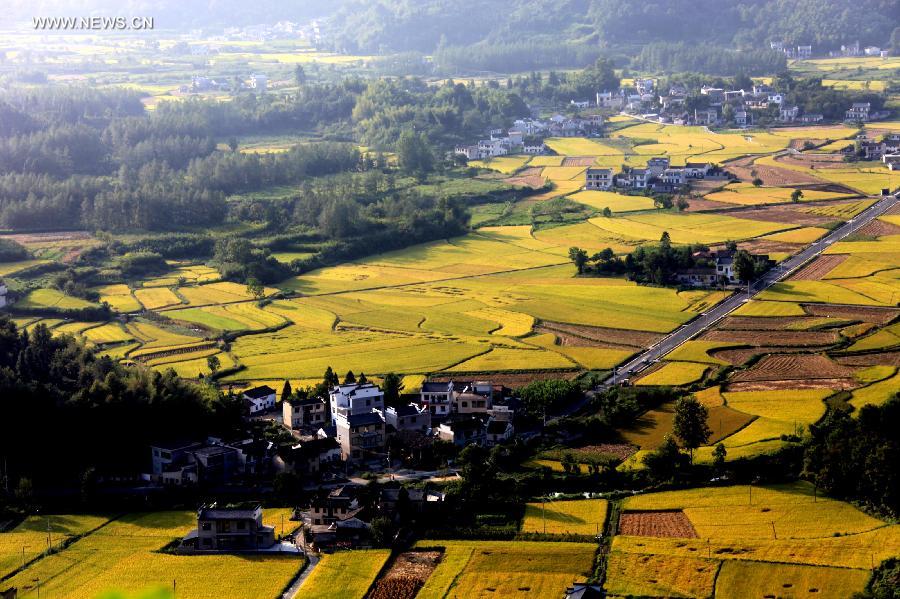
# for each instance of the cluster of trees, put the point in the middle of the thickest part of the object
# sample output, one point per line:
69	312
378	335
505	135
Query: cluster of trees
854	456
89	405
660	263
706	58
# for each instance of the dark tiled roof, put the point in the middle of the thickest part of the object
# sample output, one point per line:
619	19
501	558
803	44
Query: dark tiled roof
435	387
364	419
258	392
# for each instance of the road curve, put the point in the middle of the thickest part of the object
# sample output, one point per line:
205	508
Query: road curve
708	319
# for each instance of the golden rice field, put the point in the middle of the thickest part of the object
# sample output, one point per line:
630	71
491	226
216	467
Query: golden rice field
11	268
353	571
686	227
124	556
745	194
154	298
51	298
674	373
503	568
616	202
504	164
772	539
119	298
29	538
582	517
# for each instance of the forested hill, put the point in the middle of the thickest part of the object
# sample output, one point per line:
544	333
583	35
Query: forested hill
422	25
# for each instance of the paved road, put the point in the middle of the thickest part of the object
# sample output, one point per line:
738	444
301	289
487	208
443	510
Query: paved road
708	319
294	590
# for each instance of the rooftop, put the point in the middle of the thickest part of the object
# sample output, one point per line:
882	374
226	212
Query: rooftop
258	392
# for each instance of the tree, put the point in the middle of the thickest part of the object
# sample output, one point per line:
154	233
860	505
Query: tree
744	266
664	463
330	378
382	531
682	204
392	385
213	364
299	75
719	454
414	154
757	182
690	424
349	378
796	195
255	288
660	202
665	239
541	397
361	379
233	143
607	213
286	391
579	257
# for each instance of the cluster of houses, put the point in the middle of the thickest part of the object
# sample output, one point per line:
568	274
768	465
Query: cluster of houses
658	176
526	136
716	267
353	424
200	83
887	149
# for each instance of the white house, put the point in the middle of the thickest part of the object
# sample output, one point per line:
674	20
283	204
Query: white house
488	148
788	114
775	98
696	170
743	118
598	178
3	292
411	417
534	148
859	111
673	176
470	152
657	165
804	51
580	104
437	398
637	178
259	399
258	82
353	398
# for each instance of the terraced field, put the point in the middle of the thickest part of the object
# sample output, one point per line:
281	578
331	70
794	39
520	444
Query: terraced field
771	540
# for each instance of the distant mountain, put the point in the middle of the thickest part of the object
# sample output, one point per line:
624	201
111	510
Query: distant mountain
422	25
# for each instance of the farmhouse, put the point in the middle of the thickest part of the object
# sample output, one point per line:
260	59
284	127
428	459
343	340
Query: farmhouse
231	529
354	398
743	118
361	436
303	414
859	111
698	277
656	165
437	398
674	177
498	431
339	504
598	178
696	170
258	82
411	417
309	457
3	292
470	431
788	114
259	399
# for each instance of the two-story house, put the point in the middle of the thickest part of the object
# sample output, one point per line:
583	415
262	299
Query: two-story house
470	431
354	398
437	397
598	178
859	111
303	414
259	400
232	529
309	457
361	436
411	417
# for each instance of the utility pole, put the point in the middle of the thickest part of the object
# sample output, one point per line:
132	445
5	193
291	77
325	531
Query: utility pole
774	534
49	536
544	512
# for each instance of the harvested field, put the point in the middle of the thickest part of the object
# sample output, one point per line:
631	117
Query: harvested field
567	339
878	228
514	380
888	358
780	214
757	323
529	177
819	268
740	356
770	175
407	574
793	385
783	338
704	205
603	335
658	523
782	367
579	161
873	314
766	246
809	160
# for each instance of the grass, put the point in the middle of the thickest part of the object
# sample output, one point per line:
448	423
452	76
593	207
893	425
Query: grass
583	517
503	568
124	556
674	373
354	571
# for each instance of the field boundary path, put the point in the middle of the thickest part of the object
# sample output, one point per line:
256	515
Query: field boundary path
711	317
294	590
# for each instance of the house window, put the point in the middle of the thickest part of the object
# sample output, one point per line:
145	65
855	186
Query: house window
206	526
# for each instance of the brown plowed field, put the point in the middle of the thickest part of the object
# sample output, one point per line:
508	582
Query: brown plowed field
762	338
818	268
886	358
529	177
704	205
740	356
576	341
863	313
761	323
879	228
602	334
764	246
578	161
813	160
670	523
770	175
514	380
406	576
781	367
779	214
793	385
